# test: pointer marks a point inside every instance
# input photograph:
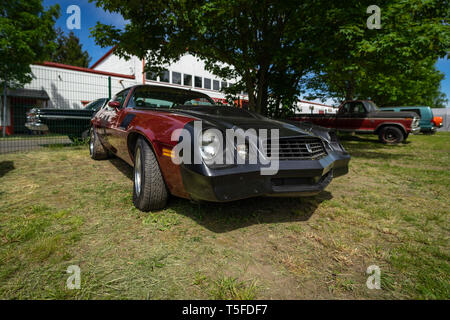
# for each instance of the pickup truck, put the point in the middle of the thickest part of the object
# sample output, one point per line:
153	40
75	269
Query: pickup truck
428	122
363	116
74	123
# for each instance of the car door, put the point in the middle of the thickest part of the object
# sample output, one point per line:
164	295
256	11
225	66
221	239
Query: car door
118	130
358	117
109	119
343	117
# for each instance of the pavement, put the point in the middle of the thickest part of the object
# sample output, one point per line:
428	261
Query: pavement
13	144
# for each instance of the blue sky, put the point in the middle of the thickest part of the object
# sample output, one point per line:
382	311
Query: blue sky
90	14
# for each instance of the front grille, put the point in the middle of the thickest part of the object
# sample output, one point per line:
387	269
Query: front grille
302	148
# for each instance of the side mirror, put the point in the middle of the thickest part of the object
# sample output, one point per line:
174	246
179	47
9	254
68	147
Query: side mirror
114	104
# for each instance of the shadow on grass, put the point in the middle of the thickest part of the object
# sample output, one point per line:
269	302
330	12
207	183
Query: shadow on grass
371	148
5	167
228	216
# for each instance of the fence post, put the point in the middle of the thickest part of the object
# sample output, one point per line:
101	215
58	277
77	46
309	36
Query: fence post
109	88
4	109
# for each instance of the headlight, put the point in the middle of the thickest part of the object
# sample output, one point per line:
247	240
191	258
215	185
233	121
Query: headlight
209	145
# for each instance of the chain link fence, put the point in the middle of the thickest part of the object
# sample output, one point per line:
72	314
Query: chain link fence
55	109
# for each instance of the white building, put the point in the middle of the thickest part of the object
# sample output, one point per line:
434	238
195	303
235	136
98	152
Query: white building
189	72
310	107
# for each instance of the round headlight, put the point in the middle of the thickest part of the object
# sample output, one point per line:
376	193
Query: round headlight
210	145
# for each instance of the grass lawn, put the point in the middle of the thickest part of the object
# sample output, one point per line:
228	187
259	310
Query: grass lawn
60	208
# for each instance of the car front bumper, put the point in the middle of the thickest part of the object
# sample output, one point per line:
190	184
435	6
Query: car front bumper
415	130
294	178
36	126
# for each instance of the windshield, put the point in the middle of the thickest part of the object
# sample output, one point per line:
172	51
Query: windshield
163	97
95	105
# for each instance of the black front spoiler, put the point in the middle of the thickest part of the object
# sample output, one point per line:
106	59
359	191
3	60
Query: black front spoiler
294	178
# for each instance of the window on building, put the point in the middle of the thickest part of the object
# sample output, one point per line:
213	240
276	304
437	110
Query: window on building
164	76
151	75
216	85
207	83
198	82
176	77
224	84
187	80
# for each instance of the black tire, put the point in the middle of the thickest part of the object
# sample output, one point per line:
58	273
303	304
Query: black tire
96	150
391	135
149	188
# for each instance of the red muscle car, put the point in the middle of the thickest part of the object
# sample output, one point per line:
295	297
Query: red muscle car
363	116
144	124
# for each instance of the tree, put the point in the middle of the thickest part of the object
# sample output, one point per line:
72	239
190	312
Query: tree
273	47
393	65
69	50
260	42
26	36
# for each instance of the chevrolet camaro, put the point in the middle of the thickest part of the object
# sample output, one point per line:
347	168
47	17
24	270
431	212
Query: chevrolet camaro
144	125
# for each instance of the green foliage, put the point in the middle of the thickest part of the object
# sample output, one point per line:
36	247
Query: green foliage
274	47
261	42
394	65
70	51
26	36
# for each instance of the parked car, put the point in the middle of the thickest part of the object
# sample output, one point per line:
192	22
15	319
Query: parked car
428	122
72	122
363	116
137	125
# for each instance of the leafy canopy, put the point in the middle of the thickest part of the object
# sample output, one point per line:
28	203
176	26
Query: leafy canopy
26	37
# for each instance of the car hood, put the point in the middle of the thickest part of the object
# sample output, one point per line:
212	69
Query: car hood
223	118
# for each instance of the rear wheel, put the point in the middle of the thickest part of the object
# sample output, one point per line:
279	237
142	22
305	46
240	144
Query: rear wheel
149	189
96	150
391	135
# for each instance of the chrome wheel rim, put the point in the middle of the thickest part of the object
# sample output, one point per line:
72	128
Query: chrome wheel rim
137	172
91	144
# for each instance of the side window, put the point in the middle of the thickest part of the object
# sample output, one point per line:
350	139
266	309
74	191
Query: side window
121	97
358	107
345	108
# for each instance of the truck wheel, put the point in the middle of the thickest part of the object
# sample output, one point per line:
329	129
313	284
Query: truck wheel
391	135
96	150
149	189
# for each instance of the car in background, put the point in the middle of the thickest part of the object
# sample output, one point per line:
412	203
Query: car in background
428	122
363	116
142	125
74	123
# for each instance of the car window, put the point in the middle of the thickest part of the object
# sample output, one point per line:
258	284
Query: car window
160	97
95	105
120	97
345	108
358	107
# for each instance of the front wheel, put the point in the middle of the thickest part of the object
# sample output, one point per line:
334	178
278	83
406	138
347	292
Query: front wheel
391	135
149	189
96	150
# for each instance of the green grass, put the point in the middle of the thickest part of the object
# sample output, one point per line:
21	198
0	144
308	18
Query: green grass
60	208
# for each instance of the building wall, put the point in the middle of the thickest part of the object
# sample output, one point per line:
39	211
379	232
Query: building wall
68	88
187	64
308	107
